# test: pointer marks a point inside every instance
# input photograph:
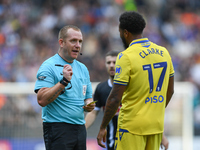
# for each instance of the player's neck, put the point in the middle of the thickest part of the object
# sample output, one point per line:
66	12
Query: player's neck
111	80
134	37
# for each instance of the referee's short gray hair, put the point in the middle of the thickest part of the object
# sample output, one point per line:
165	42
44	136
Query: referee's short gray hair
63	31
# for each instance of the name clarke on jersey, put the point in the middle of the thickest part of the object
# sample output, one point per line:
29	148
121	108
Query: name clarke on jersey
143	53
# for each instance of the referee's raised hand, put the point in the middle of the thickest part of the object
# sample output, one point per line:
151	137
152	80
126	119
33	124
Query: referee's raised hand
67	72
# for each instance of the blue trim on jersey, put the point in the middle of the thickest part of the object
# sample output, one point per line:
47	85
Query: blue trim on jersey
121	133
119	82
143	41
171	75
123	130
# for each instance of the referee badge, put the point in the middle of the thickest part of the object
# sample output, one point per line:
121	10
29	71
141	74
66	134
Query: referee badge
84	89
41	77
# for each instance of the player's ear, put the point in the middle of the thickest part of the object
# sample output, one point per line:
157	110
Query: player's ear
126	33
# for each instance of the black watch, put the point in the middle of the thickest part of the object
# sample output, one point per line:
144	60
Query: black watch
63	82
66	80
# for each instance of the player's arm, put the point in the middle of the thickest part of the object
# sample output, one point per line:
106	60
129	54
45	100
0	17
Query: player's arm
90	118
170	90
112	105
164	142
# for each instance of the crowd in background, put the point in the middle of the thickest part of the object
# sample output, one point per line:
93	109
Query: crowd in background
29	29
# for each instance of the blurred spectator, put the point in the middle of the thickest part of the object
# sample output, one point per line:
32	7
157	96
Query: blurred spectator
27	34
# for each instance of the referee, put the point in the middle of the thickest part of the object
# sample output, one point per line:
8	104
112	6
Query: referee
64	91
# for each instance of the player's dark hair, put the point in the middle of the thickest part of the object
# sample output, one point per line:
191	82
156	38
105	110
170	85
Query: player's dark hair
132	21
112	53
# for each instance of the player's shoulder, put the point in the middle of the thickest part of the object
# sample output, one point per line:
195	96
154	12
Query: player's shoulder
158	46
123	55
161	48
103	84
102	87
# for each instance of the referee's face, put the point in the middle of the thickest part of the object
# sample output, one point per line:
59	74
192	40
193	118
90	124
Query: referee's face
110	65
72	44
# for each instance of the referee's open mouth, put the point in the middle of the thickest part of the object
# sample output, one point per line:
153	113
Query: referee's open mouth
75	51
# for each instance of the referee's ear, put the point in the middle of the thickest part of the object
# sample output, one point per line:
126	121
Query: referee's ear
60	41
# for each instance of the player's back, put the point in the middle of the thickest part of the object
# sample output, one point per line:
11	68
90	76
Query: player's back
145	68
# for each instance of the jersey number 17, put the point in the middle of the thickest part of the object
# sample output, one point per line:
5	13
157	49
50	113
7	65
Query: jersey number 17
150	73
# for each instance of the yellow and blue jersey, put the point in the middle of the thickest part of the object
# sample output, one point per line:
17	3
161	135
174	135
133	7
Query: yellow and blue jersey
145	68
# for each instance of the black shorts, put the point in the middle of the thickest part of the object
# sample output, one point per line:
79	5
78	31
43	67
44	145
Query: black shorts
111	132
64	136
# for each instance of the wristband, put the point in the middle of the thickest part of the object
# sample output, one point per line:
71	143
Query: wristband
63	82
66	80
